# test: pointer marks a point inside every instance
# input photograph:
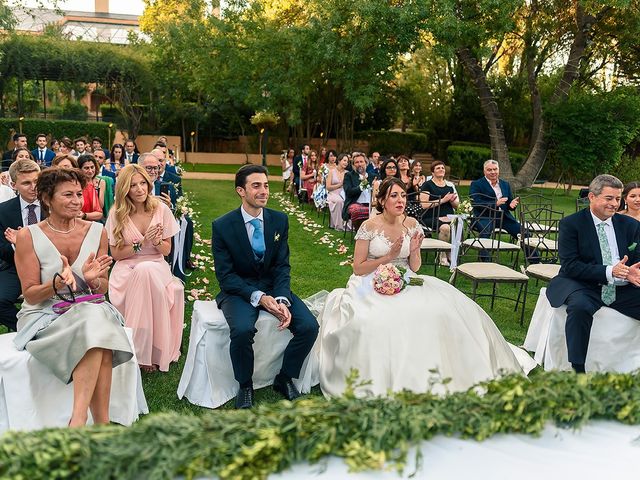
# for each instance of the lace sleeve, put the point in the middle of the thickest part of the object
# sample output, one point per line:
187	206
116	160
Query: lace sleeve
414	229
364	233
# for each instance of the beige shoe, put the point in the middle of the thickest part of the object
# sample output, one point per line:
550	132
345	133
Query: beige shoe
444	261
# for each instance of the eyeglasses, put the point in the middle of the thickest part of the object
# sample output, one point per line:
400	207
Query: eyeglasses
152	169
390	167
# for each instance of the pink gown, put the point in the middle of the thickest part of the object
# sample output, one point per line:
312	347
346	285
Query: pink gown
148	296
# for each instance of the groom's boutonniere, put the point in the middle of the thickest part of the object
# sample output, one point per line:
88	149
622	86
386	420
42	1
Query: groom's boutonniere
632	247
276	237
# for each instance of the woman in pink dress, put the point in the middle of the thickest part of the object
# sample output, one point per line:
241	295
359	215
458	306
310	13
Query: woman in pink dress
335	197
141	285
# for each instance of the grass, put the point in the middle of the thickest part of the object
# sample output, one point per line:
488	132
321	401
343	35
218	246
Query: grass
223	168
314	267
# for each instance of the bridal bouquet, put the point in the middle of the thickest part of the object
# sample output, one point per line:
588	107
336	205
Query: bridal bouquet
389	279
465	208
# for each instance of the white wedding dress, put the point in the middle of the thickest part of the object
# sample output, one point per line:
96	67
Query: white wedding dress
412	339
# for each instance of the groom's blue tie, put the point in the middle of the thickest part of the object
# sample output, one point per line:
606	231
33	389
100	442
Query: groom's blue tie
257	239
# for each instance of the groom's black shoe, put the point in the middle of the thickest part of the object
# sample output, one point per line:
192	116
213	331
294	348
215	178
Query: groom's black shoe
286	388
244	399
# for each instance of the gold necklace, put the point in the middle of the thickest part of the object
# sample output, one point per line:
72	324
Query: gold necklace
64	232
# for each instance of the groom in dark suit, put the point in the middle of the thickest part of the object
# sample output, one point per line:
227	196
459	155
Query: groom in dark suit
596	246
19	212
251	256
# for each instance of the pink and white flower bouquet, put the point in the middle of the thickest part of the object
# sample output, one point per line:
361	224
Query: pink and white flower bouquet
389	279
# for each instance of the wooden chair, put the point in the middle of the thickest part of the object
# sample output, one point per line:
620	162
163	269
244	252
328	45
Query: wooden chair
483	236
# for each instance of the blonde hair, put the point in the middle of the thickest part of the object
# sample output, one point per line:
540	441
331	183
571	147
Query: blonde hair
123	206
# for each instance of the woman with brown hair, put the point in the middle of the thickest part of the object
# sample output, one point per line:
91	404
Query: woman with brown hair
630	204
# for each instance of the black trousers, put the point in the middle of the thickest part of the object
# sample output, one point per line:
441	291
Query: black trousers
242	317
9	292
582	305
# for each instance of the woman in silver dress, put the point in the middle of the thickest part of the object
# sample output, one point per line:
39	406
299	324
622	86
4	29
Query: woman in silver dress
64	255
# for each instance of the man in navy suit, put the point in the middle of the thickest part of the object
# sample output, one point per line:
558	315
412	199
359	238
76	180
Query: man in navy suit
21	211
491	191
251	255
131	151
42	154
300	163
596	246
19	141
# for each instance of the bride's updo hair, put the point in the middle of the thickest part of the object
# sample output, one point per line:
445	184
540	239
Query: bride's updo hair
385	189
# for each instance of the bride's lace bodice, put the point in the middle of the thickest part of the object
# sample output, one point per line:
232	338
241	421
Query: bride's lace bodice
379	244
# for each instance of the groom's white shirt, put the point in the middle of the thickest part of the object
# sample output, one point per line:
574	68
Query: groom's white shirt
257	294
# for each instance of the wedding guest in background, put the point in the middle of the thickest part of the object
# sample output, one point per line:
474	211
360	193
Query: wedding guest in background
80	145
19	141
93	192
54	145
115	162
42	154
403	168
165	175
373	167
631	200
286	161
66	147
141	285
65	161
417	178
167	194
21	153
299	164
389	168
18	212
58	256
357	192
335	196
439	190
96	144
308	174
131	152
109	179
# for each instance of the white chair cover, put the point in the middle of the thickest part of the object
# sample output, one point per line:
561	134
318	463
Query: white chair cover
207	379
614	345
32	398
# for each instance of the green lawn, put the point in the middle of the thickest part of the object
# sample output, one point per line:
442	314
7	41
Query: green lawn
315	266
222	168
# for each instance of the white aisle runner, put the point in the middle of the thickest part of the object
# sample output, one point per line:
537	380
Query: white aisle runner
599	451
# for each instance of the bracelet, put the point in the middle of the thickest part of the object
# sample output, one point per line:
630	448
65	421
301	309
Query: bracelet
84	216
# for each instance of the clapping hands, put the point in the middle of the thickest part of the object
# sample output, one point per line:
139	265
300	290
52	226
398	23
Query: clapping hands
416	242
10	234
66	274
94	267
154	234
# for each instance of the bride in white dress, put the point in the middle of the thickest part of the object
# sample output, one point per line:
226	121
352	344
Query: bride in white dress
399	342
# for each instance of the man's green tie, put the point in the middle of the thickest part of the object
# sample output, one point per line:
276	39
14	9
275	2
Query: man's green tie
608	290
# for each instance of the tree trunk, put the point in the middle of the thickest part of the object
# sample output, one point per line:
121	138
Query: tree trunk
499	149
539	143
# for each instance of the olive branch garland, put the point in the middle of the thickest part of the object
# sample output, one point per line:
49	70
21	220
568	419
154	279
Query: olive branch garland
369	433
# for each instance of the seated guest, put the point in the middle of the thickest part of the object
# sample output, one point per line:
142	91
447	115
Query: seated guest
21	153
167	156
596	246
403	168
96	144
80	144
42	154
165	192
308	174
141	285
54	145
491	191
131	152
357	192
631	200
374	164
93	192
109	181
18	212
444	192
115	161
66	147
164	174
389	168
19	141
63	256
64	161
335	197
251	254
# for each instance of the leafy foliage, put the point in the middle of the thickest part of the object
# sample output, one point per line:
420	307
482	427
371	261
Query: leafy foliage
590	131
54	128
466	160
394	143
368	433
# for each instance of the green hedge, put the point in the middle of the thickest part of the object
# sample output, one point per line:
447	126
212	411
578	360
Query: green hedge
55	128
394	143
466	161
368	434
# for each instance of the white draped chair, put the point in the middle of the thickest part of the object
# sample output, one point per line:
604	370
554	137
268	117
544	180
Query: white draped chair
31	397
614	345
207	379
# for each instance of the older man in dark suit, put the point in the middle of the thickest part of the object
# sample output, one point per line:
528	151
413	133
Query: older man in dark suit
357	192
251	254
596	246
16	213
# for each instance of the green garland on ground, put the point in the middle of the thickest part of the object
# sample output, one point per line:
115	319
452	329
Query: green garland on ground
368	434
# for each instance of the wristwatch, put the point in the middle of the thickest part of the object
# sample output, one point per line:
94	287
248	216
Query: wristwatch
283	300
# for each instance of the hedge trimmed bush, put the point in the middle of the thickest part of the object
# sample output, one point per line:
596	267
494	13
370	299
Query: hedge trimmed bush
466	161
55	128
369	434
387	142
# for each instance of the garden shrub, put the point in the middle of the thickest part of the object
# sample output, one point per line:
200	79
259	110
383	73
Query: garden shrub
394	143
55	128
466	161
